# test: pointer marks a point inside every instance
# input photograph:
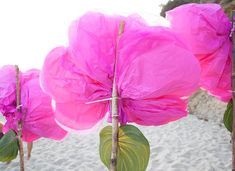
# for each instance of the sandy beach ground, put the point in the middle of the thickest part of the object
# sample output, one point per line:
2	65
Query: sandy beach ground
190	144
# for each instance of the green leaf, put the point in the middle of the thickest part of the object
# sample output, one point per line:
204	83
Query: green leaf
133	148
8	146
228	116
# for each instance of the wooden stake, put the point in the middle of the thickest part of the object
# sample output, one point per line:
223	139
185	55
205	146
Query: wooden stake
18	107
115	125
233	90
29	149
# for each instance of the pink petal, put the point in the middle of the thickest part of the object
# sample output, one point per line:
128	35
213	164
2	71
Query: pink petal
156	72
71	89
80	116
155	111
92	41
39	118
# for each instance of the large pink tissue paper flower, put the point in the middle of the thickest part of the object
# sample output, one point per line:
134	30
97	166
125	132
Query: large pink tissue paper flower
155	73
37	113
205	28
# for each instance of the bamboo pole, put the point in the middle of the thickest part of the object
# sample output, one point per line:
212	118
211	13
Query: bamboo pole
18	107
115	125
233	88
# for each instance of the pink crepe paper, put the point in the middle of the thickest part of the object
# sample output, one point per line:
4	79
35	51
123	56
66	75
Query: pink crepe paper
206	28
38	115
155	73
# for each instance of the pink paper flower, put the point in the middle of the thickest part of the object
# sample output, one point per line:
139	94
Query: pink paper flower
155	73
37	113
206	29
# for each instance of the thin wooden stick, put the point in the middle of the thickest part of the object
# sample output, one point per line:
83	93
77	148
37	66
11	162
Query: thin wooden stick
29	149
18	107
115	125
233	88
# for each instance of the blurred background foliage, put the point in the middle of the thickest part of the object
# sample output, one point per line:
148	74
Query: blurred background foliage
228	5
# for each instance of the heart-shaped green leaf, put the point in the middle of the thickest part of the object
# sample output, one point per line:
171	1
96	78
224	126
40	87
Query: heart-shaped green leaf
8	146
133	148
228	116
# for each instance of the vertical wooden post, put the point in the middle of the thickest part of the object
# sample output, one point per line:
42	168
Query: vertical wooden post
233	90
115	125
29	149
18	107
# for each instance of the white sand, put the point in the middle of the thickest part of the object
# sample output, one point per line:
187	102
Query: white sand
186	145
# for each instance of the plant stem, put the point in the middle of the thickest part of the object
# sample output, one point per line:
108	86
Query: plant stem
115	125
18	107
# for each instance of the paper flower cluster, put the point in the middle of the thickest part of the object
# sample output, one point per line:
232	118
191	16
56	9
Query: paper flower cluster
37	113
155	73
